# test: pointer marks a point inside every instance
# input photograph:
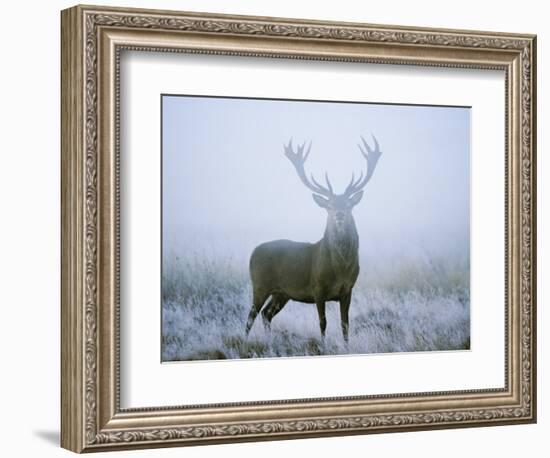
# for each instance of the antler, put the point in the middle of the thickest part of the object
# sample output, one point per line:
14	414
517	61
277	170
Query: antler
371	156
298	160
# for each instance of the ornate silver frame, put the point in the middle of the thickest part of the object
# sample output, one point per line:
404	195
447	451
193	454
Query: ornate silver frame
92	39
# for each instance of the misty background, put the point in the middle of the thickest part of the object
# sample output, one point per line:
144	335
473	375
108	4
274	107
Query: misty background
228	186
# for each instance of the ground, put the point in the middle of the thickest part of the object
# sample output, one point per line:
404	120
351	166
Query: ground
408	305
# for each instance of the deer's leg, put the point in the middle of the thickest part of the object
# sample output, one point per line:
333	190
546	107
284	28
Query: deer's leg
257	302
274	306
266	312
322	317
345	301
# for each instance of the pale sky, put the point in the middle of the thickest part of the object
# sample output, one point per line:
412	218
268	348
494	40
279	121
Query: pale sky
227	185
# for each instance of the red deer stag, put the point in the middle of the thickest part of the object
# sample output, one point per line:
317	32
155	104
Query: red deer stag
314	273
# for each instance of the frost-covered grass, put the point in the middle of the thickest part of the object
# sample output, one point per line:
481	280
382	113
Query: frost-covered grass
419	304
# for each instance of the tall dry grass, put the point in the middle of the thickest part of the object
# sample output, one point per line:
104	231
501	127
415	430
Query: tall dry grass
406	304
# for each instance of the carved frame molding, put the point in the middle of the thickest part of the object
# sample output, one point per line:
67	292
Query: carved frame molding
92	39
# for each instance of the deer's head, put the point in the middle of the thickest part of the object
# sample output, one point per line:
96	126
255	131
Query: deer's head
338	206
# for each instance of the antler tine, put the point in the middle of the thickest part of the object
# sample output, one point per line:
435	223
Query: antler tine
371	156
367	149
308	151
298	159
315	182
350	185
328	183
320	186
353	183
376	145
363	152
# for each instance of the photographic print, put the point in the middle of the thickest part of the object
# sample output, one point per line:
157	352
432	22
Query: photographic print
294	228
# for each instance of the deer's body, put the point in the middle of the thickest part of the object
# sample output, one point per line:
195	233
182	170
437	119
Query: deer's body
306	272
284	270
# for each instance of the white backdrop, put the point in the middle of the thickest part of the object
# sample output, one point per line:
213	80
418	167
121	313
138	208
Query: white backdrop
29	242
141	373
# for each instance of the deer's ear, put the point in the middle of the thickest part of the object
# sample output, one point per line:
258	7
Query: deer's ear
356	198
321	201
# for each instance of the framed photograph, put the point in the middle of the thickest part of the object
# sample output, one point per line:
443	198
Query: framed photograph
278	228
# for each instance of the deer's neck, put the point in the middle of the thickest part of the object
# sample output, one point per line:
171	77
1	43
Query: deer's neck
342	243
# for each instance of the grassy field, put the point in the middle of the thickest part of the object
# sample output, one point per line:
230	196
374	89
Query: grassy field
406	305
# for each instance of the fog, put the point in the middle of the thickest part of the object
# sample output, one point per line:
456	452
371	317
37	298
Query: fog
227	185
